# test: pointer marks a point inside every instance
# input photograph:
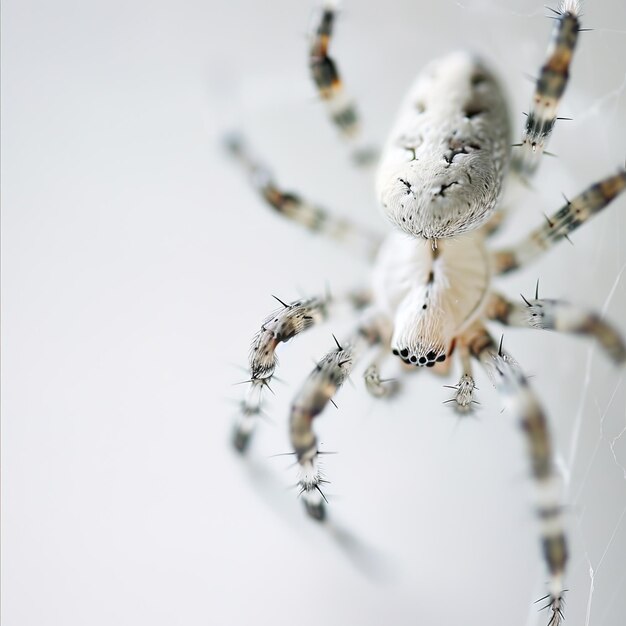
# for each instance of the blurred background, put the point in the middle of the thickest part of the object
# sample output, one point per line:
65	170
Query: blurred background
137	263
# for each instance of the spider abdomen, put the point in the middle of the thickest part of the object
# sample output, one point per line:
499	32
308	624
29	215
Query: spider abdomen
443	165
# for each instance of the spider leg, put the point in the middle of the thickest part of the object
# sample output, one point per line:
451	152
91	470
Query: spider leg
325	74
279	327
293	207
559	225
464	390
520	400
377	387
316	392
560	316
549	89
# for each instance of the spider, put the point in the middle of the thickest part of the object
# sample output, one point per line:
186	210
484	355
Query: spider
440	182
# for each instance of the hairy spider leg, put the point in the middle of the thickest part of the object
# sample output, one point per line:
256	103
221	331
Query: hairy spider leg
463	400
520	400
550	87
341	108
559	316
278	327
317	391
376	386
559	225
293	207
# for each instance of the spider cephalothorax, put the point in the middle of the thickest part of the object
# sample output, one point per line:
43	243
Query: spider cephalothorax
439	182
431	294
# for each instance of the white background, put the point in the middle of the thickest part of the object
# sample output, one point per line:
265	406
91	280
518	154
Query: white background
137	264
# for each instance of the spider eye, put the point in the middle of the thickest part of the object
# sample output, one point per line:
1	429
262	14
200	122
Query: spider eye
417	356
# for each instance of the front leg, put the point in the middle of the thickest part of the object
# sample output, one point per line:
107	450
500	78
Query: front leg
521	401
317	391
279	327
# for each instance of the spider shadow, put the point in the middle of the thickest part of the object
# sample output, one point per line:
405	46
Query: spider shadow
368	560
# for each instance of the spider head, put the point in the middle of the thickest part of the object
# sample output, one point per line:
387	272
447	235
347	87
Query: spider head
423	336
431	295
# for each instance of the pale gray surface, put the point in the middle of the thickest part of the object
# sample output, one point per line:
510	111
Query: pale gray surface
136	264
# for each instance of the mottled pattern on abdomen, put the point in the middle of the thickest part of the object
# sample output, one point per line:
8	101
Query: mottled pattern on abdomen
443	165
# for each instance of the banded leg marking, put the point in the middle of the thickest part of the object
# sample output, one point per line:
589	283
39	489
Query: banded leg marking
279	327
341	109
318	390
293	207
561	317
559	225
326	75
550	87
519	398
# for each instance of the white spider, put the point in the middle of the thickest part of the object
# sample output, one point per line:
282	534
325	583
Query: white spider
440	180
